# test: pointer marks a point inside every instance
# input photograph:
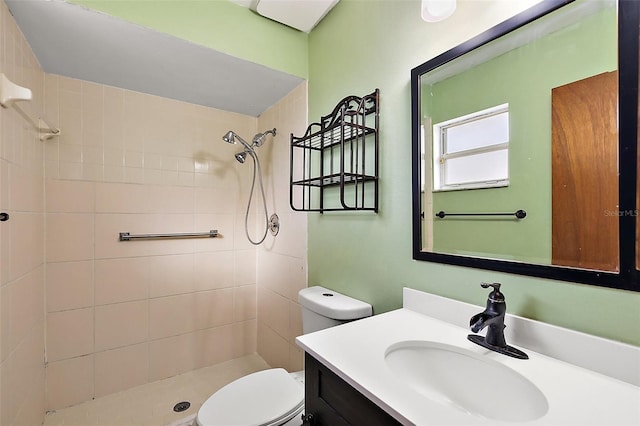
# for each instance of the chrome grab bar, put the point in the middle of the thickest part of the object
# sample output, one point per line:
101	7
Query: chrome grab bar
125	236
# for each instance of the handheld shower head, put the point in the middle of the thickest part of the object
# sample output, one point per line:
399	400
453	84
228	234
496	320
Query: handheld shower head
259	138
232	137
229	137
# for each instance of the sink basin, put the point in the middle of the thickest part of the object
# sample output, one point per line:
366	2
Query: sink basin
466	380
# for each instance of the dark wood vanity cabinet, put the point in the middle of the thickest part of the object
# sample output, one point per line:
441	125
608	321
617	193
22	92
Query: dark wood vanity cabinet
333	402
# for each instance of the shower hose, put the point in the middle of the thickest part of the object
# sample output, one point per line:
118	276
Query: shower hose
256	166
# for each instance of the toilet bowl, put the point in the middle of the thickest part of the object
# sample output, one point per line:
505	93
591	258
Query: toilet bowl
275	397
267	398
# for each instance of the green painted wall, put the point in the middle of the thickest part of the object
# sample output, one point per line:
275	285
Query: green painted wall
362	45
220	25
523	78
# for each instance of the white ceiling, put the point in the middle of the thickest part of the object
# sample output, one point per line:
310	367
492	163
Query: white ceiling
76	42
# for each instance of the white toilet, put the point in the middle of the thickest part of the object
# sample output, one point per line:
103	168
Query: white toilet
274	397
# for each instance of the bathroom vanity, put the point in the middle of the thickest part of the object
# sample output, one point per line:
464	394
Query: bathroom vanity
333	402
415	366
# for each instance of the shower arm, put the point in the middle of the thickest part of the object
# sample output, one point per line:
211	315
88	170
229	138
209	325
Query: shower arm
259	138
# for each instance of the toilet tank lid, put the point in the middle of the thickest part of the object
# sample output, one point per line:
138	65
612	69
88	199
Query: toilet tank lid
332	304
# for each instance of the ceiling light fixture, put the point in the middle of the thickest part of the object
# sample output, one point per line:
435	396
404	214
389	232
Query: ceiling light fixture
437	10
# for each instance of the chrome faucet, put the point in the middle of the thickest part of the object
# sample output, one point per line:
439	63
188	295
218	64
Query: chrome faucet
493	318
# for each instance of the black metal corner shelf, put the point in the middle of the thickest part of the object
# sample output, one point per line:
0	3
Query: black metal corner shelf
334	179
334	165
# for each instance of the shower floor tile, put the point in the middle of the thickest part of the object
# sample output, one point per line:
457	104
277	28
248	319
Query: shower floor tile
152	404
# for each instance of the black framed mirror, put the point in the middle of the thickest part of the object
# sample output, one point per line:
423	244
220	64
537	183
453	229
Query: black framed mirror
525	146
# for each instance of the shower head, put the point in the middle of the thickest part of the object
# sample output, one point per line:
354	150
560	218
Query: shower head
241	156
259	138
231	137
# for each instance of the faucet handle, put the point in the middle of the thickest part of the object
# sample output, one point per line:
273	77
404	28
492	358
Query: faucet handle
495	295
494	285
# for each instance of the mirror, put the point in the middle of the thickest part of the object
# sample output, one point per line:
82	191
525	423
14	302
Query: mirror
525	146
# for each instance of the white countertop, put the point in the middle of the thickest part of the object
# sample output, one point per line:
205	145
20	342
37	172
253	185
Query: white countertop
356	352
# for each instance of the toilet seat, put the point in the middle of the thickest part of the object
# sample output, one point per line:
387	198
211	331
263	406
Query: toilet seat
266	398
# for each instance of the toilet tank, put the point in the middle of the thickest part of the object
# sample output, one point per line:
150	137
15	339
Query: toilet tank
323	308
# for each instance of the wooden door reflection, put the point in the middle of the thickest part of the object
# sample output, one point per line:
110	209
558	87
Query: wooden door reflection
585	224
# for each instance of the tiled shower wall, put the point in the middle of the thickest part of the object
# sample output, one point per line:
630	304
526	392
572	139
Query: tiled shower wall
121	314
282	261
22	373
